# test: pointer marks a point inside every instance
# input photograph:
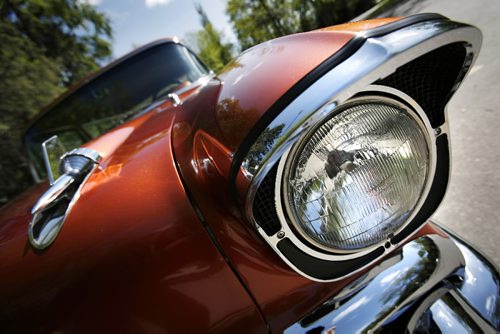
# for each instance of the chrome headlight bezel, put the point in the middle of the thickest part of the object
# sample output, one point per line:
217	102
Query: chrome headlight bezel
382	59
373	93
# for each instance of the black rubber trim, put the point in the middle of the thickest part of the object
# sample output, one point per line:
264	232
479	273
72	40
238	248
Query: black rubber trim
436	193
323	269
345	52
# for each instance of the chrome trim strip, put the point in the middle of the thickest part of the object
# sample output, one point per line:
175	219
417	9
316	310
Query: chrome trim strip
202	81
477	292
436	308
476	317
424	305
387	288
480	288
420	273
377	58
174	97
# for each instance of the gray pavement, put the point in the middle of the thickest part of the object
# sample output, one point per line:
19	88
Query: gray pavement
471	207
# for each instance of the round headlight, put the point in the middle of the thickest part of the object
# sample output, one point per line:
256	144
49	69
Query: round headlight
355	179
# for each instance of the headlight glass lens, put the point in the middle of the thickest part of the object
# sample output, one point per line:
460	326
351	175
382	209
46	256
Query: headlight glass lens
356	179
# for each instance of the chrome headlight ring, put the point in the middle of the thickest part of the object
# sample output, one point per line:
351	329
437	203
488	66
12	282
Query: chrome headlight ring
292	228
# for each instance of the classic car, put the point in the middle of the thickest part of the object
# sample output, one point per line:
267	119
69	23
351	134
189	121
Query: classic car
292	192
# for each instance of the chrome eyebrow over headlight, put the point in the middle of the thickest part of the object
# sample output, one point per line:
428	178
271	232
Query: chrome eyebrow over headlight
359	160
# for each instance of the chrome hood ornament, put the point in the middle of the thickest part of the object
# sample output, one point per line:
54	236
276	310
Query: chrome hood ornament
50	211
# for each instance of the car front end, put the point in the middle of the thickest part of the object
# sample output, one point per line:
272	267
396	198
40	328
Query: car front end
291	193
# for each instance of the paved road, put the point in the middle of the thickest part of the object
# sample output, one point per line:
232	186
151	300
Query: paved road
472	204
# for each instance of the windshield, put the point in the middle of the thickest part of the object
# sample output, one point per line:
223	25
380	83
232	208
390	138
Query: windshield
112	97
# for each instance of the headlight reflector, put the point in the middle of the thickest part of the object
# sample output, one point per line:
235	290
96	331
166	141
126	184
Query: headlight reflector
356	178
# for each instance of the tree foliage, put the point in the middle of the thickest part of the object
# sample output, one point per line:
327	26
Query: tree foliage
71	32
46	46
257	21
210	44
28	78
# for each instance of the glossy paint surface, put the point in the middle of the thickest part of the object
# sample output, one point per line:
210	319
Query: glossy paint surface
132	255
261	75
203	147
361	25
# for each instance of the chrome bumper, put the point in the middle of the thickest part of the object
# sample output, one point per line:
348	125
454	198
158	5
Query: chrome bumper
432	284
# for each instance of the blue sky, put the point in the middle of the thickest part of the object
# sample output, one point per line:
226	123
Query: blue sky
137	22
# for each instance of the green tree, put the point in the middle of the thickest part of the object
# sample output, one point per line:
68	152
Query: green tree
70	31
28	79
256	21
330	12
46	46
209	43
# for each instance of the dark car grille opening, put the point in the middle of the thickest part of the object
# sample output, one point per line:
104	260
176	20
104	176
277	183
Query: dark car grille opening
264	206
430	79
